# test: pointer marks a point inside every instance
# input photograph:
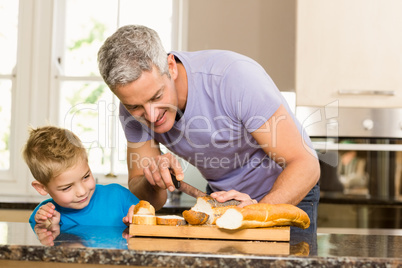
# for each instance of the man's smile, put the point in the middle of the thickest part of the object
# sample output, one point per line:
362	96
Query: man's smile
160	120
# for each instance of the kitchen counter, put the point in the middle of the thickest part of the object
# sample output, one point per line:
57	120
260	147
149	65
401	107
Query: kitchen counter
101	245
30	202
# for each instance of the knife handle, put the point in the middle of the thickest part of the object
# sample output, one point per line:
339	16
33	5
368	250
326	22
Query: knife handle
176	183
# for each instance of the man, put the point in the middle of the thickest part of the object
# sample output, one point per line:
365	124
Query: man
218	110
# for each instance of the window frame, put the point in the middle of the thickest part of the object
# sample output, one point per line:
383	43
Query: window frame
36	78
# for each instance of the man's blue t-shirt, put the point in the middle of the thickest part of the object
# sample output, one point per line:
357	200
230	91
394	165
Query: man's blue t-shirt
108	205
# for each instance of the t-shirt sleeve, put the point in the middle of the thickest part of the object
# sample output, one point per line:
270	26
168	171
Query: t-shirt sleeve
251	95
134	130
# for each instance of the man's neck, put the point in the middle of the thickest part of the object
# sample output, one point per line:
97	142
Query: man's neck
181	87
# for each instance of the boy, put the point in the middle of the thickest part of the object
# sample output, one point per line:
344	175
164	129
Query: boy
58	161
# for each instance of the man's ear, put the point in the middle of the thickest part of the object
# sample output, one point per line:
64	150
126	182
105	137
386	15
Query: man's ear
172	66
39	187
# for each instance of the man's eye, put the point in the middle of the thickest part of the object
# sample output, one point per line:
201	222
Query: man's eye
132	108
156	98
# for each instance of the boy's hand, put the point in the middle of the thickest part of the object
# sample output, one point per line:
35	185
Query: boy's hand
47	235
129	218
47	214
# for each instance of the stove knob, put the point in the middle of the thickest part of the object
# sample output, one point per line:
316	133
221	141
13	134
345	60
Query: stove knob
368	124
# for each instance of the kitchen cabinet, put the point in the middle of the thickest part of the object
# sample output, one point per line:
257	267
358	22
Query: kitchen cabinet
15	215
349	51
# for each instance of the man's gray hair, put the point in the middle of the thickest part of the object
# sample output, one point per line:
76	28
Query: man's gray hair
131	50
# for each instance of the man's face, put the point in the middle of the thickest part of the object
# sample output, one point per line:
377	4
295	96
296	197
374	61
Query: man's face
151	99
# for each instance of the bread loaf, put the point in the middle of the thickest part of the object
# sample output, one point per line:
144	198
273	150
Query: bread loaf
144	208
263	215
144	213
207	210
170	220
195	217
144	219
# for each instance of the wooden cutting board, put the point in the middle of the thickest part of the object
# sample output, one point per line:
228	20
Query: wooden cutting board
209	246
211	232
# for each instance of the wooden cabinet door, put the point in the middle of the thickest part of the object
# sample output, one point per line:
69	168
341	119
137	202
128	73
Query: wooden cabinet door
349	51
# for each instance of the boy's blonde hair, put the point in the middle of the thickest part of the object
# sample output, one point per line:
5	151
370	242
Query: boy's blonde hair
50	151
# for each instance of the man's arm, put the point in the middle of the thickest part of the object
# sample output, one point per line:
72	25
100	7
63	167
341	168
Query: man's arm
281	140
149	172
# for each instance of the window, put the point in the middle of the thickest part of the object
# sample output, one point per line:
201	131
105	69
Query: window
50	76
8	56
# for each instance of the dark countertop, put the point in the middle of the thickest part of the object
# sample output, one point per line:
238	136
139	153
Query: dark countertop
105	245
340	198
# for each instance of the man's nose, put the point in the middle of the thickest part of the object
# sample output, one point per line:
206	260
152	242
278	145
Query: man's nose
150	113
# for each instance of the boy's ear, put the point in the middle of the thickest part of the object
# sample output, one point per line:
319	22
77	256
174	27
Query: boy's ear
39	187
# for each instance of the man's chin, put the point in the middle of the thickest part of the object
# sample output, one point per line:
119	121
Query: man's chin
162	128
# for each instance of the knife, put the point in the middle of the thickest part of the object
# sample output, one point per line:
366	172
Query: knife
187	188
194	192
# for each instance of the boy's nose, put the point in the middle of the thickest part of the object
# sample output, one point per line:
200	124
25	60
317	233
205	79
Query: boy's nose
80	190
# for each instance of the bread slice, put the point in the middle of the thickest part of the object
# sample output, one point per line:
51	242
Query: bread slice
263	215
170	220
195	217
144	219
144	208
207	210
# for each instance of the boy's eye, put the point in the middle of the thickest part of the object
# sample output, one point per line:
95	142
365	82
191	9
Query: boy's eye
66	188
87	175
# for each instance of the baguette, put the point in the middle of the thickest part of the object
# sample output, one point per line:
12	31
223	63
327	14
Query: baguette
195	217
170	220
144	219
144	213
263	215
207	210
144	208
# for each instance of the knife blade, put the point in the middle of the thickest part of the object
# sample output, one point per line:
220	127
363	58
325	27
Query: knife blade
187	188
194	192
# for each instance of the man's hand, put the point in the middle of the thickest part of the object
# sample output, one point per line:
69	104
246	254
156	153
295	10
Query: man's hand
223	196
47	234
48	215
158	171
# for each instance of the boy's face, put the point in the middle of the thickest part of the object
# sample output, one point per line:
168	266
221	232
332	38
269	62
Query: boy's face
73	188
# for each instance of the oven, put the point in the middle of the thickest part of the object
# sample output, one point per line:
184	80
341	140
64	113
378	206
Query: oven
360	153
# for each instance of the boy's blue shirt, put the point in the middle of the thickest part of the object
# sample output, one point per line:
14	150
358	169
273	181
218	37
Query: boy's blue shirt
107	207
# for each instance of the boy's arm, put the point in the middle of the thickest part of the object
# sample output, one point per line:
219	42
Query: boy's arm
129	217
47	214
47	234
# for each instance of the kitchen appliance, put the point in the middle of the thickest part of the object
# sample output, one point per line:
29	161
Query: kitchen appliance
360	153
